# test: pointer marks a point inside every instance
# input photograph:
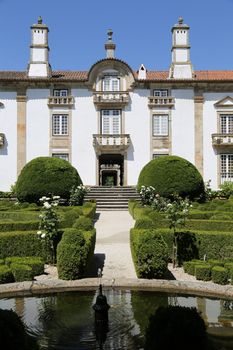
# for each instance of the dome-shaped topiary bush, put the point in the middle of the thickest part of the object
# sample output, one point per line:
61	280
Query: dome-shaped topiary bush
172	175
46	176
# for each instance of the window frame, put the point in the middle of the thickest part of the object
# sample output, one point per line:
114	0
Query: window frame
64	156
228	166
60	127
160	117
162	93
60	92
226	125
111	79
111	120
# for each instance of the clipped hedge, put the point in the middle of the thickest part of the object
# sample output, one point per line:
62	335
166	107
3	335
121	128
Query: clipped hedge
21	272
60	177
74	253
89	209
19	243
18	226
18	216
6	275
83	223
203	272
70	216
36	263
150	253
172	174
219	275
197	244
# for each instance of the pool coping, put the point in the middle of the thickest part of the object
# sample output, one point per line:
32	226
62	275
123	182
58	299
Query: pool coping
198	288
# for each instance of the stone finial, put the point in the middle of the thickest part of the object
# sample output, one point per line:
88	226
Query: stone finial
180	20
110	33
110	46
40	20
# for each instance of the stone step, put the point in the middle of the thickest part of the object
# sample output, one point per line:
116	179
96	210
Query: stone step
112	198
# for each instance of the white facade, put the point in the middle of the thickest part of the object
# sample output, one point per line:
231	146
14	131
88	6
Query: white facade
111	121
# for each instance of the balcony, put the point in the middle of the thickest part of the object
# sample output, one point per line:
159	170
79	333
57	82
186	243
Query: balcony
104	99
154	101
61	101
111	142
2	139
222	140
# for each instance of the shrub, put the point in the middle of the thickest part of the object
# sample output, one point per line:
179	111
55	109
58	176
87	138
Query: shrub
131	204
2	262
219	275
89	209
83	223
18	226
6	275
226	189
228	265
70	217
176	327
21	272
190	266
74	253
215	262
22	244
144	223
60	176
203	272
150	254
77	194
36	263
171	174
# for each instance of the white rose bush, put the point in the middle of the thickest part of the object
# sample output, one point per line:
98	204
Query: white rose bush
49	224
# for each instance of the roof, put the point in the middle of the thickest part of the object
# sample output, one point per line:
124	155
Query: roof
80	76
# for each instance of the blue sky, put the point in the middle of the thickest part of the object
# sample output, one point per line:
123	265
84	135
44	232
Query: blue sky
142	32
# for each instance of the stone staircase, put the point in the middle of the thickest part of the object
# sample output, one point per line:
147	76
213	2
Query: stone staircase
112	198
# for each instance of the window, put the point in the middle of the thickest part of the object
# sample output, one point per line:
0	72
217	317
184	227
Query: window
60	124
64	156
111	121
226	170
226	123
60	92
156	155
111	83
160	125
160	93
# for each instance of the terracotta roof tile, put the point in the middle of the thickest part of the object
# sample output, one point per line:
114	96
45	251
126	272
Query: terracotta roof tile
222	75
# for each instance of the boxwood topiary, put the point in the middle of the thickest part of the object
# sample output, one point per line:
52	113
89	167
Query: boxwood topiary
203	272
22	272
219	275
172	174
35	262
71	255
152	256
83	223
45	176
6	275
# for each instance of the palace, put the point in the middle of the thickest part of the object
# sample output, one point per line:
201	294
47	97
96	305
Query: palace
109	121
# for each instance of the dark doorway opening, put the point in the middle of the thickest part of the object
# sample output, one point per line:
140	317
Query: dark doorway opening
111	170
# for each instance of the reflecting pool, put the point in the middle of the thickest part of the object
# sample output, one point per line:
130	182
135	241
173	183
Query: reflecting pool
66	320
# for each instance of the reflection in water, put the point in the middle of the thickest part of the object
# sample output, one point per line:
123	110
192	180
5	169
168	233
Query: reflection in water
66	320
